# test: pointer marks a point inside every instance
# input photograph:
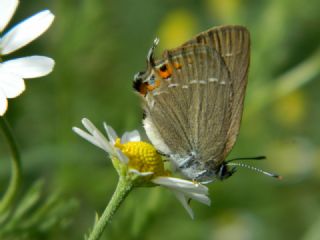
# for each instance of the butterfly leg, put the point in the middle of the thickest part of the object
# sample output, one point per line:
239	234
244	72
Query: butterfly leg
185	162
205	174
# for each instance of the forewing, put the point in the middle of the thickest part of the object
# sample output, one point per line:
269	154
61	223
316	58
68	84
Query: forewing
191	109
233	44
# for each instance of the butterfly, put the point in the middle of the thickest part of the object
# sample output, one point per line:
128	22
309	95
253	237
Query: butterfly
193	100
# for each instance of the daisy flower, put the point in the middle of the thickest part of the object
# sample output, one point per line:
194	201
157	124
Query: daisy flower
140	161
14	71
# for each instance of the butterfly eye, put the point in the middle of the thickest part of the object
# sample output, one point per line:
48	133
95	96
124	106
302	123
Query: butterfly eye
138	84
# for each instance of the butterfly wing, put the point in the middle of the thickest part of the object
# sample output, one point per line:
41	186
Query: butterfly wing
190	112
233	45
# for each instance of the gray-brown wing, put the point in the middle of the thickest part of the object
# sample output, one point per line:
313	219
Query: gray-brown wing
233	44
191	109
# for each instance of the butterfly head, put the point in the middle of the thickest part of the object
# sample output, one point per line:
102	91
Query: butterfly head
224	172
146	81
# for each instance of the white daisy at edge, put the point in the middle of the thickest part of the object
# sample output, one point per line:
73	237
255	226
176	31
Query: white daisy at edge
14	71
183	189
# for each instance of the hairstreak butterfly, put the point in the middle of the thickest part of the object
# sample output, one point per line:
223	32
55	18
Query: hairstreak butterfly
193	100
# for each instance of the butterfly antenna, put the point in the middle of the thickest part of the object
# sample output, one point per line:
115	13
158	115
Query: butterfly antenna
255	169
247	158
151	51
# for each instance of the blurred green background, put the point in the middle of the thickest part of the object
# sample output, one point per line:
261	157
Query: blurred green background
99	45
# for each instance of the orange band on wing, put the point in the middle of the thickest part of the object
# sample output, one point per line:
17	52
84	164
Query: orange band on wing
165	71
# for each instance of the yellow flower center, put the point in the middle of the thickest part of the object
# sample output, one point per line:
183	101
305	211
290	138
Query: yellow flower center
143	157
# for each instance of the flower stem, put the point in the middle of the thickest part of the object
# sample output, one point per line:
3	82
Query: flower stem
16	167
123	189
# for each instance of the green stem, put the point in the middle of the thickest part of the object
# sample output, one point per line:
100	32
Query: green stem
16	167
123	189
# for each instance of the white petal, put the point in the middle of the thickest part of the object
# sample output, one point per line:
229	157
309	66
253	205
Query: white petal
125	138
103	142
112	135
132	136
29	67
199	197
143	174
88	125
181	197
95	140
7	9
181	185
100	140
86	136
26	31
184	189
10	84
3	103
121	156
